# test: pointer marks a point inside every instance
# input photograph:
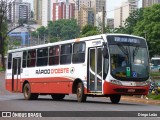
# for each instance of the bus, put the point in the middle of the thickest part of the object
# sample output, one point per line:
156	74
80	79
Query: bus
155	64
88	67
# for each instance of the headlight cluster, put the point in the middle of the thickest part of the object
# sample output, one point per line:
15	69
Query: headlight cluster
116	82
142	83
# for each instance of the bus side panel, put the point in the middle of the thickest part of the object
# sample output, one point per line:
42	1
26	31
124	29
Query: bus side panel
61	87
16	85
110	88
50	85
9	85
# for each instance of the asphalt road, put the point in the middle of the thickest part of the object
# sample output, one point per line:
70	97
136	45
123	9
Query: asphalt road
16	102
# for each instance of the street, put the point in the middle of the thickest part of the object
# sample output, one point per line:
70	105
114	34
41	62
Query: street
16	102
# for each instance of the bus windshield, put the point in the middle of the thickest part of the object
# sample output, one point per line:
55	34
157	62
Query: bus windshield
129	61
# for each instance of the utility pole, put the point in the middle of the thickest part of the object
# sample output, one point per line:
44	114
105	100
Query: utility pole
103	20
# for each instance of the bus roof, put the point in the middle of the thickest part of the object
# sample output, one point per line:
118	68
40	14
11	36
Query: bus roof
71	41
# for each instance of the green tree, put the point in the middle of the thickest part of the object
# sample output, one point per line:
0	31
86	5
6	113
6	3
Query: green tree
89	30
3	29
149	27
42	32
63	29
132	20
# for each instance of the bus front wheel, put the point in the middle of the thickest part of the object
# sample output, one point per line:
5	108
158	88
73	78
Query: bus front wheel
81	97
115	98
27	93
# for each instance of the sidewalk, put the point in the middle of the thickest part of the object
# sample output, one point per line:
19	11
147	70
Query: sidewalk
139	100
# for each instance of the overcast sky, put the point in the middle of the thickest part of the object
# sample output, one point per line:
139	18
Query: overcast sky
112	4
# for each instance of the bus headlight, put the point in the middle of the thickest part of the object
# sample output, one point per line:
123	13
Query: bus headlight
116	82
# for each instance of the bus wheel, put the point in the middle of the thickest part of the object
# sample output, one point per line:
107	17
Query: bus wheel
81	97
27	93
115	98
57	96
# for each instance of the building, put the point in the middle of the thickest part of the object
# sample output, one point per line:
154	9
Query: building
43	11
51	10
86	11
63	10
46	6
19	10
81	7
122	13
98	5
38	11
146	3
20	35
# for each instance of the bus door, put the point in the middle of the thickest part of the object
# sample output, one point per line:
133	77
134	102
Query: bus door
16	71
95	70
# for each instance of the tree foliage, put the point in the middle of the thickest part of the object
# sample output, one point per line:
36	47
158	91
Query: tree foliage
89	30
132	20
3	28
144	22
149	27
63	29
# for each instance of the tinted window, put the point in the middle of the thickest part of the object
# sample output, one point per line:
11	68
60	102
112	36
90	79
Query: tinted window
9	60
78	53
54	55
66	51
42	57
24	59
31	58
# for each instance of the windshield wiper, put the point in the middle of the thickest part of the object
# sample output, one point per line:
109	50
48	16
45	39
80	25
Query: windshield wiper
135	51
125	51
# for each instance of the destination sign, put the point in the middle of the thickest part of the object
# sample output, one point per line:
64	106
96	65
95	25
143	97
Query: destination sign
124	39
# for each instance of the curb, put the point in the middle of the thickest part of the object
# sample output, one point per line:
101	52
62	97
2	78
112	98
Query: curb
140	100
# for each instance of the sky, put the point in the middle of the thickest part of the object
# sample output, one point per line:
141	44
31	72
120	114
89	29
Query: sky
111	5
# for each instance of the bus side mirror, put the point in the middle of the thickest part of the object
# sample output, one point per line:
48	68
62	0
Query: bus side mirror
105	52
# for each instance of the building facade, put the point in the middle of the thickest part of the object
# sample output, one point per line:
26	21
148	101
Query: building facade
38	11
63	10
146	3
122	13
19	10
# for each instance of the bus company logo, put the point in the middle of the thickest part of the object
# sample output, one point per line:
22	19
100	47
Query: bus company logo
6	114
72	70
19	114
52	71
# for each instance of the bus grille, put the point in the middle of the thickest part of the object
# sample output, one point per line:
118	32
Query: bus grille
122	90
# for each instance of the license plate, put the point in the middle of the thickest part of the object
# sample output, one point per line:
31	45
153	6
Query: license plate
131	90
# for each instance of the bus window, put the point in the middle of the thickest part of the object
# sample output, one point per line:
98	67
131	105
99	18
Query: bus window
66	51
78	52
9	60
24	59
31	58
54	55
42	57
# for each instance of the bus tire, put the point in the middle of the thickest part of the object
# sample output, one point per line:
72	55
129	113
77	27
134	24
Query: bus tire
81	97
57	96
27	93
115	98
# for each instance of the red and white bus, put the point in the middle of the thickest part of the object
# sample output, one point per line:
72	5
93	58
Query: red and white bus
89	66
